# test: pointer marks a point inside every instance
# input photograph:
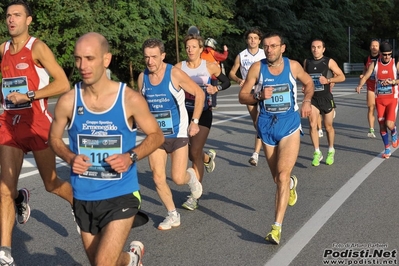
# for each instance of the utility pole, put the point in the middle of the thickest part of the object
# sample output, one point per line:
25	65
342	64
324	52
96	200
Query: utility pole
349	43
176	32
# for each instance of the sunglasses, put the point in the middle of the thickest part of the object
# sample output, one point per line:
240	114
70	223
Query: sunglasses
389	54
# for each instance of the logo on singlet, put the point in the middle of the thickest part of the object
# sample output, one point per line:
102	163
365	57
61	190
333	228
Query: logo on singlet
80	110
22	66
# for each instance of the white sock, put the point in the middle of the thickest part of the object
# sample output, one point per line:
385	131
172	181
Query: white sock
278	224
317	150
291	183
331	149
173	212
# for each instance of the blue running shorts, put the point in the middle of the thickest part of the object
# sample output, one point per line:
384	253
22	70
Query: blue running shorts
272	128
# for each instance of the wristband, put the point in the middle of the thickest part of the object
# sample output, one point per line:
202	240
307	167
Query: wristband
304	101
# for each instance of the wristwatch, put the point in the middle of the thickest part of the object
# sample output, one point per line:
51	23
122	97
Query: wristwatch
195	120
219	87
31	95
133	156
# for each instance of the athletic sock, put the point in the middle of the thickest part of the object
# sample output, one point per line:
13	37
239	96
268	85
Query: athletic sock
385	139
6	250
331	149
277	224
291	183
20	198
173	212
393	131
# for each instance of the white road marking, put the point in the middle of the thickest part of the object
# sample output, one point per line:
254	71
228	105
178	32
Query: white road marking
293	247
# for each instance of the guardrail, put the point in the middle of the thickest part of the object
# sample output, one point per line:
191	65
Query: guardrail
353	67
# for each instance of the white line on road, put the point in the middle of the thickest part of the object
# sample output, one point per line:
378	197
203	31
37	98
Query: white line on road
292	248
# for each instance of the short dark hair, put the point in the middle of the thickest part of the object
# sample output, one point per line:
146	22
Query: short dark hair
254	31
274	34
152	43
375	40
320	40
21	3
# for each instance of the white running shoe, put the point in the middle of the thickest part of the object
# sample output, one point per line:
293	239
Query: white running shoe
190	204
23	209
210	166
136	251
371	133
170	221
6	260
254	159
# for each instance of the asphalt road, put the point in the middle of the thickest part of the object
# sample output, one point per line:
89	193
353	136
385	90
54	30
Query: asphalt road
346	213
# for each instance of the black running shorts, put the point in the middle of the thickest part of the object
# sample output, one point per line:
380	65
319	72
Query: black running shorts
92	216
325	103
205	119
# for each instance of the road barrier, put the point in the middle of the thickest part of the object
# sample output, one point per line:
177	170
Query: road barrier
353	67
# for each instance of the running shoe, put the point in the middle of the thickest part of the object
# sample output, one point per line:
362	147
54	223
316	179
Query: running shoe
170	221
395	140
274	235
191	203
321	134
371	133
254	159
136	251
317	157
195	185
386	154
23	209
6	260
210	166
330	157
293	195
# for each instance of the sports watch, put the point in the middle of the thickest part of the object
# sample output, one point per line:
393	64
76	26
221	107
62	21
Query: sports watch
31	95
133	156
195	120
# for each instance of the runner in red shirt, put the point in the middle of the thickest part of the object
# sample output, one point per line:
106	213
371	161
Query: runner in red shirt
386	91
26	65
370	83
